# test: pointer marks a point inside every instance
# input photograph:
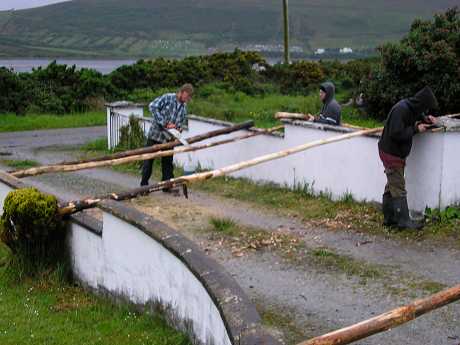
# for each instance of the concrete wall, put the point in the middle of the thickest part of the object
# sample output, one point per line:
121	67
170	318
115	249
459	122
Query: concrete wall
351	166
347	167
134	257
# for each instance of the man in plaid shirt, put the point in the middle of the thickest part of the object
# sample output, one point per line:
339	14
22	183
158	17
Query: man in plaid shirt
168	111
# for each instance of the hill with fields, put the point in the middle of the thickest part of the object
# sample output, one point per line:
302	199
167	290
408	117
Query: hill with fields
149	28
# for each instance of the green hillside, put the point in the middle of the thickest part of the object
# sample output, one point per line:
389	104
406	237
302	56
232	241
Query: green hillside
122	28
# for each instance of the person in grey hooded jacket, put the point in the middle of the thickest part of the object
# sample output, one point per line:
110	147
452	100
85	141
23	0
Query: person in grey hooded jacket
330	111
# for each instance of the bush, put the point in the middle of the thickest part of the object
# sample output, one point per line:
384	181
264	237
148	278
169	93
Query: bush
31	228
299	77
428	55
131	136
12	92
235	69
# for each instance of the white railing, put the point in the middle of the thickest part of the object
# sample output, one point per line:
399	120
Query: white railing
117	120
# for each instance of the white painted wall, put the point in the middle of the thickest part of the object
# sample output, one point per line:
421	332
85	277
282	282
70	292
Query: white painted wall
351	166
127	262
4	190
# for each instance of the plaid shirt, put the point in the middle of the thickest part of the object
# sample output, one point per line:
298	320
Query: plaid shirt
166	109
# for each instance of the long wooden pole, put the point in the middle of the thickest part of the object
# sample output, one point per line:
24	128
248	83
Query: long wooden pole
298	116
168	145
286	31
90	165
88	203
386	321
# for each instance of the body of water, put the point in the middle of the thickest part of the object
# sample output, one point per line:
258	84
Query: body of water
26	65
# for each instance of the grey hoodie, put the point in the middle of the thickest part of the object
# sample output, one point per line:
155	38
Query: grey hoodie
331	111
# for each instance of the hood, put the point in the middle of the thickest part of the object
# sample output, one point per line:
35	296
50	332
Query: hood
329	88
423	101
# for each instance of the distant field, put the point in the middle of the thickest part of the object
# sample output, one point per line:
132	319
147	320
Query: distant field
122	28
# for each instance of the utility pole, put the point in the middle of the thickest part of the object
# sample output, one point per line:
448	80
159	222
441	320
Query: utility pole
286	32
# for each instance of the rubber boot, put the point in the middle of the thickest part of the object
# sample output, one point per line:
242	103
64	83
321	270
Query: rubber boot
401	212
388	210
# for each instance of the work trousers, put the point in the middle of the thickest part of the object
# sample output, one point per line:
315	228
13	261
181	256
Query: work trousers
396	184
167	168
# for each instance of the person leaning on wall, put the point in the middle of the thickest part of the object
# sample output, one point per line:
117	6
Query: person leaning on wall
330	111
407	118
168	111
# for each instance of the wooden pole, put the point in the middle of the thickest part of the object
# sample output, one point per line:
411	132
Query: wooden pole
297	116
389	320
88	203
168	145
90	165
286	31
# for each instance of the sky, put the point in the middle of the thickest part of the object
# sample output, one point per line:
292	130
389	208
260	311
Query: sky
21	4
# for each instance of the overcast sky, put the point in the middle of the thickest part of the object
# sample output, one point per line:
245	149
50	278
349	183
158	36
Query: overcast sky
20	4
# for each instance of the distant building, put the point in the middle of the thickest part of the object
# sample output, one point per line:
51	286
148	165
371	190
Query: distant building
345	50
320	51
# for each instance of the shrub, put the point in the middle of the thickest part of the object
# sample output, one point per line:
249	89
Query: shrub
31	228
298	77
428	55
131	136
13	96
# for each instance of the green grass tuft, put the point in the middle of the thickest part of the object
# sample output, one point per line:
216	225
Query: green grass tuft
20	164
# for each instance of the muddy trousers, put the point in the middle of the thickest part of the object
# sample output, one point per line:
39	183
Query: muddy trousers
167	168
396	183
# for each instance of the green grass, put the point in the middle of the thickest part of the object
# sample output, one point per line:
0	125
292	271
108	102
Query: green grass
224	226
12	123
20	164
76	28
47	311
214	101
350	266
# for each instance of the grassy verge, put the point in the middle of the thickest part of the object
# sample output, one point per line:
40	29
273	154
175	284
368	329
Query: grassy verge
19	164
12	123
320	209
48	311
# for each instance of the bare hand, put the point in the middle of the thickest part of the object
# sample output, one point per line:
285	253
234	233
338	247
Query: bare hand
422	127
311	117
431	119
170	125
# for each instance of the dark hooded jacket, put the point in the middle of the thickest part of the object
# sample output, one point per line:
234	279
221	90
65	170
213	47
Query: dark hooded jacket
331	110
400	126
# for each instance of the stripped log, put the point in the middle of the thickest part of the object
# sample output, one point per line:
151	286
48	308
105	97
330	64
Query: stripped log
292	116
389	320
167	146
77	206
90	165
297	116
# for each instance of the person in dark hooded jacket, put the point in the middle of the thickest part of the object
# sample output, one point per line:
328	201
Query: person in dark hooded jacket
407	118
330	111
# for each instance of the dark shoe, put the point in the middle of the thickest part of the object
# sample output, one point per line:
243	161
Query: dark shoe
401	212
143	184
388	210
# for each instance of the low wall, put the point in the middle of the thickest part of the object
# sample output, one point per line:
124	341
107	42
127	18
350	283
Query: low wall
132	256
347	167
337	169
